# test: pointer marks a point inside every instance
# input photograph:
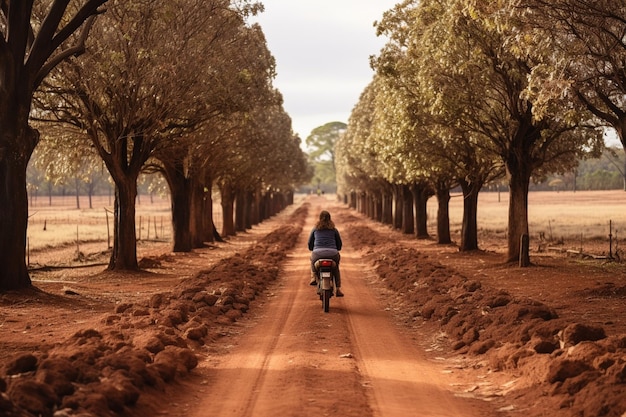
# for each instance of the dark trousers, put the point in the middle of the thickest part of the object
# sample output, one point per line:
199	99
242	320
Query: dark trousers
327	254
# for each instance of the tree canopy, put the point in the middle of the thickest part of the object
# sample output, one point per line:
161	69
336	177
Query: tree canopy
179	87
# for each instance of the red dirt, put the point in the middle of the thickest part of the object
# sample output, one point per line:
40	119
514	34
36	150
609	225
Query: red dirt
423	330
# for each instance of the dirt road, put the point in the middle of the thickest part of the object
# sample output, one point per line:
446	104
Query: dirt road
292	359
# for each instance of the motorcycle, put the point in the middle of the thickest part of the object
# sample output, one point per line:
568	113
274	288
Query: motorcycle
325	270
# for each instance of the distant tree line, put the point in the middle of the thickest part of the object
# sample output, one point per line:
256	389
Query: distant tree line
90	184
604	173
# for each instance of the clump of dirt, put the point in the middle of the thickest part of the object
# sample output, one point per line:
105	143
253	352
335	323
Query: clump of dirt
572	367
606	290
144	345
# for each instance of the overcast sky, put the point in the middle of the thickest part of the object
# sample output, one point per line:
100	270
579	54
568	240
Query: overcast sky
322	50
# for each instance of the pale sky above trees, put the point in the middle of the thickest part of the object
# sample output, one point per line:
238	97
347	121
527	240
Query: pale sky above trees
322	50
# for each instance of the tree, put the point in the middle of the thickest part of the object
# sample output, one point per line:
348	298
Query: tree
582	51
32	44
321	143
133	101
529	142
265	157
241	85
478	71
119	97
457	91
361	177
63	156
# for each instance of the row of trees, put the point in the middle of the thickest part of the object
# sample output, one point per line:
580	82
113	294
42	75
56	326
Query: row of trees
467	92
182	88
603	173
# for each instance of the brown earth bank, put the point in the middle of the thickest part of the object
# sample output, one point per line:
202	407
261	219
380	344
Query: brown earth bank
234	329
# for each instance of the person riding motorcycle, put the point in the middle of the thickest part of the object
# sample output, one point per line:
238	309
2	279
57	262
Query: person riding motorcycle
325	242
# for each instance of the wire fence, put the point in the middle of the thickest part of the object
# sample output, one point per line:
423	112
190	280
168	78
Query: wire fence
61	221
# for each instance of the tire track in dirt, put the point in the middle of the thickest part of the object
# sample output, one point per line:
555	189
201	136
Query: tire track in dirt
295	360
237	380
292	361
402	380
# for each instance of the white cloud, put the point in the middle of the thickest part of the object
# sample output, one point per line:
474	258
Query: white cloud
322	50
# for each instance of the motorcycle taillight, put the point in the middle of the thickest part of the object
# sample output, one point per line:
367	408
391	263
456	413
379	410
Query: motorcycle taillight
327	263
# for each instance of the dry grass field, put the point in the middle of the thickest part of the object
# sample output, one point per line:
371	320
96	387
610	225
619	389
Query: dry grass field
573	218
60	222
576	218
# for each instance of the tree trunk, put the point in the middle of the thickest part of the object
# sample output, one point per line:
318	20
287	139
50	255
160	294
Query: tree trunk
377	206
181	215
255	207
228	205
124	254
353	201
77	186
181	205
90	191
248	208
14	156
443	214
469	227
518	214
197	225
408	223
278	202
387	208
360	204
421	193
264	206
240	211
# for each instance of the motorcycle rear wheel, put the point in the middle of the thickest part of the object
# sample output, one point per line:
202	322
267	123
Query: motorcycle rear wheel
326	294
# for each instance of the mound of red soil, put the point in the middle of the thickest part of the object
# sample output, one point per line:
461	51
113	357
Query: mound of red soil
142	346
571	367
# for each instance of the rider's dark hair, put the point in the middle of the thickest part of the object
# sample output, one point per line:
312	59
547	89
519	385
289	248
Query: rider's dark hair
325	222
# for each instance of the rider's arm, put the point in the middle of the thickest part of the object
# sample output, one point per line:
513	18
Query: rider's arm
338	240
312	239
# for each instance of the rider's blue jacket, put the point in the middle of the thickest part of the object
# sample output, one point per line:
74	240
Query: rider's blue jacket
325	239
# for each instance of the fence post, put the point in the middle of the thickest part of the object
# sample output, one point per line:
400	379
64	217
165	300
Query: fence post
524	247
106	212
610	239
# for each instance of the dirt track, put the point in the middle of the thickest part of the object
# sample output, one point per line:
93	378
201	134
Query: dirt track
294	360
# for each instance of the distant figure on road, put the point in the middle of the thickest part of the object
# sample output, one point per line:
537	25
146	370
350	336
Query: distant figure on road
325	242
